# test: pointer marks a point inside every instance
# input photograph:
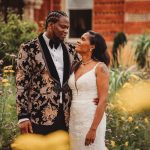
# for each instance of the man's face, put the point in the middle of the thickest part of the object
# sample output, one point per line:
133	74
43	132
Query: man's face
60	28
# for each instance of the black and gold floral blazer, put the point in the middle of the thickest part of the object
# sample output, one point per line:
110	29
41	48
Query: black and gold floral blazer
38	85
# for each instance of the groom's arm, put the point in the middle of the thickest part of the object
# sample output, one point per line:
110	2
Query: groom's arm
23	81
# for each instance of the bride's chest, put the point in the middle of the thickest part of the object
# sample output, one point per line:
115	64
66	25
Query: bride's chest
86	81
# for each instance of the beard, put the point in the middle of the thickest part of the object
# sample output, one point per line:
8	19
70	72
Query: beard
56	38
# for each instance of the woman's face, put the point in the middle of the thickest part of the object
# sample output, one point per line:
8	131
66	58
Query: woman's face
83	45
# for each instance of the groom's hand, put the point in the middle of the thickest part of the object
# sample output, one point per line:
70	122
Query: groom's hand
25	127
96	101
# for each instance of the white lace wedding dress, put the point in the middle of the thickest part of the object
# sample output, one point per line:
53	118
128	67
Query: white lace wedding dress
82	112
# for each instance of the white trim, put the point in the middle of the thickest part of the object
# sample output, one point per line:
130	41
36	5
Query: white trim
80	4
136	0
137	17
66	8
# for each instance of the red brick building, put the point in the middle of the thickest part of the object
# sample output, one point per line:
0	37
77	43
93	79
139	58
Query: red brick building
137	16
105	16
129	16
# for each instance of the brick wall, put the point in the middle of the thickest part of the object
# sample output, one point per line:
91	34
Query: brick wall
137	16
41	14
108	17
129	16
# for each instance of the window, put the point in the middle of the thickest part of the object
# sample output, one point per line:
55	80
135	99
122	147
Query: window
80	22
80	14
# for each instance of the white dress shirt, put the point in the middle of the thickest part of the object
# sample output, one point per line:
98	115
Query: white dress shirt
57	57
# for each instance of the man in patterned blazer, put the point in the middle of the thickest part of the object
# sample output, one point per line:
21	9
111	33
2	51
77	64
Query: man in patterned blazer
43	69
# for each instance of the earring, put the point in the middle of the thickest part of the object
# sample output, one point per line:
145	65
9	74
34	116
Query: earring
91	50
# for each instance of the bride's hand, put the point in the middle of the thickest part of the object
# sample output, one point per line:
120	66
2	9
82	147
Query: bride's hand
90	137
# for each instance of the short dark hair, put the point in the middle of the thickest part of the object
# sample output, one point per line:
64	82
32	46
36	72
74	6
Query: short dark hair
54	16
100	51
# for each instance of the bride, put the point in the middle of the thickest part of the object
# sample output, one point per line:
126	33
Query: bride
87	124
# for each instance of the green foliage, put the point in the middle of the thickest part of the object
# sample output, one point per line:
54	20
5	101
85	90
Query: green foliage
125	130
119	41
13	33
142	45
117	79
8	117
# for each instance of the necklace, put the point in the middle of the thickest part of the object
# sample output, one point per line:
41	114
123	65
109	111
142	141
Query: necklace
85	63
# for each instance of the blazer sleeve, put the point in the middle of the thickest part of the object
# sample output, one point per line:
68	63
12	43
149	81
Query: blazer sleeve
23	81
77	57
76	60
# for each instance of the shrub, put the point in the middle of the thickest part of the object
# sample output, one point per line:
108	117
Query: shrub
13	33
119	41
142	46
128	128
8	117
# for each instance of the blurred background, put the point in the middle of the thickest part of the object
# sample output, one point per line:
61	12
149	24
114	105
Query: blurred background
125	25
105	16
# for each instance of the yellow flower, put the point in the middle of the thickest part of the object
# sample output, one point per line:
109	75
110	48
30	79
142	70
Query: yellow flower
126	143
11	71
146	120
123	118
117	95
107	148
55	141
113	144
6	71
130	119
8	67
123	108
119	102
134	77
9	106
136	127
127	85
4	81
111	105
6	84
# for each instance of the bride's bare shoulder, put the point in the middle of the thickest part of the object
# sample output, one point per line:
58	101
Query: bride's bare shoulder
102	69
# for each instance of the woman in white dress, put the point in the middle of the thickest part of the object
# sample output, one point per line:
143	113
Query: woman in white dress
90	80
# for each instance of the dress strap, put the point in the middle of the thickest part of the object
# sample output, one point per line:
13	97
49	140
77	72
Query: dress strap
96	66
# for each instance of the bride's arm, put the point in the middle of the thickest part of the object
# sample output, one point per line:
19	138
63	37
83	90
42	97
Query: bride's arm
102	80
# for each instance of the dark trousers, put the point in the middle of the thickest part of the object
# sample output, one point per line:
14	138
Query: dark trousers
59	124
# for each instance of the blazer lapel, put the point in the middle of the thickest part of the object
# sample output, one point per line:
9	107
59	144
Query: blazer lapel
66	63
49	62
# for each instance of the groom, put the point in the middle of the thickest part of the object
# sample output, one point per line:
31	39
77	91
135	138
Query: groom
43	69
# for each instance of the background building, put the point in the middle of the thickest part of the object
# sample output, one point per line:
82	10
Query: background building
105	16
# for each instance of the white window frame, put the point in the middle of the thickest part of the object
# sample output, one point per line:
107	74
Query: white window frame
66	8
